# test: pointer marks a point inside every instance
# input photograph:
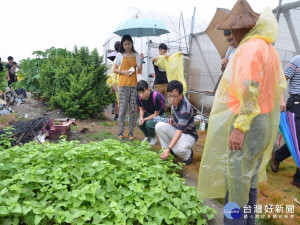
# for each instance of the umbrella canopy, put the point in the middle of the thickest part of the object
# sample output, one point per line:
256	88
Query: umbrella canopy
141	27
241	16
288	130
217	36
112	55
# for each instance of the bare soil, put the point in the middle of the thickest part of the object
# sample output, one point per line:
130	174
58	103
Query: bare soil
33	109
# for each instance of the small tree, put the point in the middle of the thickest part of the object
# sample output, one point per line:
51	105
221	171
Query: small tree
73	81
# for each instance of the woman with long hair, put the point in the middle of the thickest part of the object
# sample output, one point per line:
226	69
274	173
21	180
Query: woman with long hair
126	63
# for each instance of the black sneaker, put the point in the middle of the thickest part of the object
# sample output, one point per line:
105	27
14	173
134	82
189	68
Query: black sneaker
116	117
190	159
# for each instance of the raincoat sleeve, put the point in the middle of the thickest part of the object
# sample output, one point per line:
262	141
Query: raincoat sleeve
248	76
174	67
112	78
161	62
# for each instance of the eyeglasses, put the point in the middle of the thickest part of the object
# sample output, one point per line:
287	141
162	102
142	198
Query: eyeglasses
173	96
229	40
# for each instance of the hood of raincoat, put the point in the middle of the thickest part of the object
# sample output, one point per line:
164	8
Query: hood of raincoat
266	28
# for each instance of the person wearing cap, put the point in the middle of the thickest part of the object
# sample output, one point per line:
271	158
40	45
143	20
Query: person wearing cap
244	119
230	51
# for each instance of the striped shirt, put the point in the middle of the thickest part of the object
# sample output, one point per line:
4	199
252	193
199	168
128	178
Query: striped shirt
229	53
183	118
292	71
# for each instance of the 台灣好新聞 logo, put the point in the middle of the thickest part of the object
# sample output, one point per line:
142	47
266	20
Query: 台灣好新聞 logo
232	211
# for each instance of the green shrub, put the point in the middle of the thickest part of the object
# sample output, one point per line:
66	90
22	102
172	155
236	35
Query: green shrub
3	81
72	81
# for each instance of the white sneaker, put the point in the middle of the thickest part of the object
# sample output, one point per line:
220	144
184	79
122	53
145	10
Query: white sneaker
147	139
153	141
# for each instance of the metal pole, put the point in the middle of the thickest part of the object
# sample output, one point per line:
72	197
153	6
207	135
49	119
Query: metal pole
202	107
179	46
278	12
191	34
186	45
148	60
189	50
289	22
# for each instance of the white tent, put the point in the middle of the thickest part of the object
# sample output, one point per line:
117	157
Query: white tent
206	62
180	28
202	67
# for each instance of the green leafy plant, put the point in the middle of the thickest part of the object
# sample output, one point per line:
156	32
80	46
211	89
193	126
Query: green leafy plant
6	138
3	81
29	75
106	182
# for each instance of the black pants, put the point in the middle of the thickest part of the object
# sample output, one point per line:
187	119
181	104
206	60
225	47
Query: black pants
247	218
12	79
283	152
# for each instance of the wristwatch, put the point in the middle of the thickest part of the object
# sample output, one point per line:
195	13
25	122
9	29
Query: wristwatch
170	149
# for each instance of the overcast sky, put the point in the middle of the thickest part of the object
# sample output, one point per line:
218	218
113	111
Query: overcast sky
29	25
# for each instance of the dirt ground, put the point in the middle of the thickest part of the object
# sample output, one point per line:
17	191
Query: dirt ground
33	109
277	191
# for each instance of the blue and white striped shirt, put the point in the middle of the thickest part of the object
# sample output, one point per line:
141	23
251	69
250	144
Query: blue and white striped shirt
292	71
183	118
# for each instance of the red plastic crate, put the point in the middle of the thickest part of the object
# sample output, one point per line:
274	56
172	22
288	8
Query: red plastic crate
57	130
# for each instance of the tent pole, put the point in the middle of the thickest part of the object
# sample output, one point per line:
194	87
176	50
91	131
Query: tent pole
291	27
192	30
186	45
278	12
148	60
179	46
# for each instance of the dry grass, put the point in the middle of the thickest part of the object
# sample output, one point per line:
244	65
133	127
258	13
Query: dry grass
279	191
8	120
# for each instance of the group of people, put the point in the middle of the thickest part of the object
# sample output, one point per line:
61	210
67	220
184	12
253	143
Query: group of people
11	67
244	119
178	134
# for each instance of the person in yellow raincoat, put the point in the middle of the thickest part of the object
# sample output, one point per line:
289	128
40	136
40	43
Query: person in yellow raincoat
245	116
112	81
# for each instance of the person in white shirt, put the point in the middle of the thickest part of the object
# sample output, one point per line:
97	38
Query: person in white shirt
230	50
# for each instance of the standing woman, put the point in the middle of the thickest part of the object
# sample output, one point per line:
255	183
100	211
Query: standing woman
125	59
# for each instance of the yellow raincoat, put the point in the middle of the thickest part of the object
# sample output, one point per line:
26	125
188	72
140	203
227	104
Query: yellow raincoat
248	98
112	79
174	67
